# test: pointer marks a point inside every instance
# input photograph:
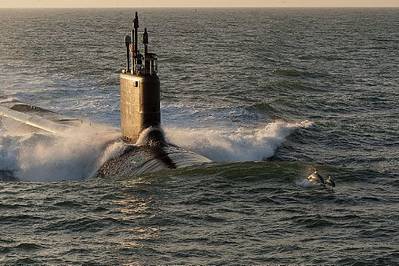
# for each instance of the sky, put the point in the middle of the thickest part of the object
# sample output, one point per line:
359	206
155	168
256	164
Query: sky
196	3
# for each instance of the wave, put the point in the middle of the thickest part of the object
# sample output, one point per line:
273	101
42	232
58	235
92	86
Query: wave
75	155
241	144
295	73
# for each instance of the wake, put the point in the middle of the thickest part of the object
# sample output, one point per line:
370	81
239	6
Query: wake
242	144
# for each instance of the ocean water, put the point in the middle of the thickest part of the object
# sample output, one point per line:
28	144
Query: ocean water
267	94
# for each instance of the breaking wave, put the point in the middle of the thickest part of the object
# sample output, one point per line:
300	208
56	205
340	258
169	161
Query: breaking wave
241	144
41	157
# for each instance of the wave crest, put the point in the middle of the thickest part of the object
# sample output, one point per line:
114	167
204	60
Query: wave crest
241	144
41	157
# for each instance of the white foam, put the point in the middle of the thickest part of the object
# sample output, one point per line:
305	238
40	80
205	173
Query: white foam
143	138
73	156
112	151
241	144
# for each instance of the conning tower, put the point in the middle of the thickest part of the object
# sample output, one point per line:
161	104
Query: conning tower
139	87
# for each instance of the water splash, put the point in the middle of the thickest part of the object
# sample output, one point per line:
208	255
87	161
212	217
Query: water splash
75	155
241	144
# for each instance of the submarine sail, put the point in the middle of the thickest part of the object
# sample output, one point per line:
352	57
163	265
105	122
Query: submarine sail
140	97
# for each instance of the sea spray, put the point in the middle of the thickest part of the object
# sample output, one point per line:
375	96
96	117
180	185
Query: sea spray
42	157
112	151
241	144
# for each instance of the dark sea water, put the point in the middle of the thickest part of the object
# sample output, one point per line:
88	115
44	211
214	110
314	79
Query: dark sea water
267	94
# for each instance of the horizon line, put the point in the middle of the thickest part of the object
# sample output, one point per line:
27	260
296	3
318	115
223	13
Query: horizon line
191	7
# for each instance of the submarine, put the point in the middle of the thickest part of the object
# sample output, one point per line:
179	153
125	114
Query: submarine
140	111
145	148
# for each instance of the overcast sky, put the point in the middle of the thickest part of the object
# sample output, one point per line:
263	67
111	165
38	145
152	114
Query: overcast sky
198	3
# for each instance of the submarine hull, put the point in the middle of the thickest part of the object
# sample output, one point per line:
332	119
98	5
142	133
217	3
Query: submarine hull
139	160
